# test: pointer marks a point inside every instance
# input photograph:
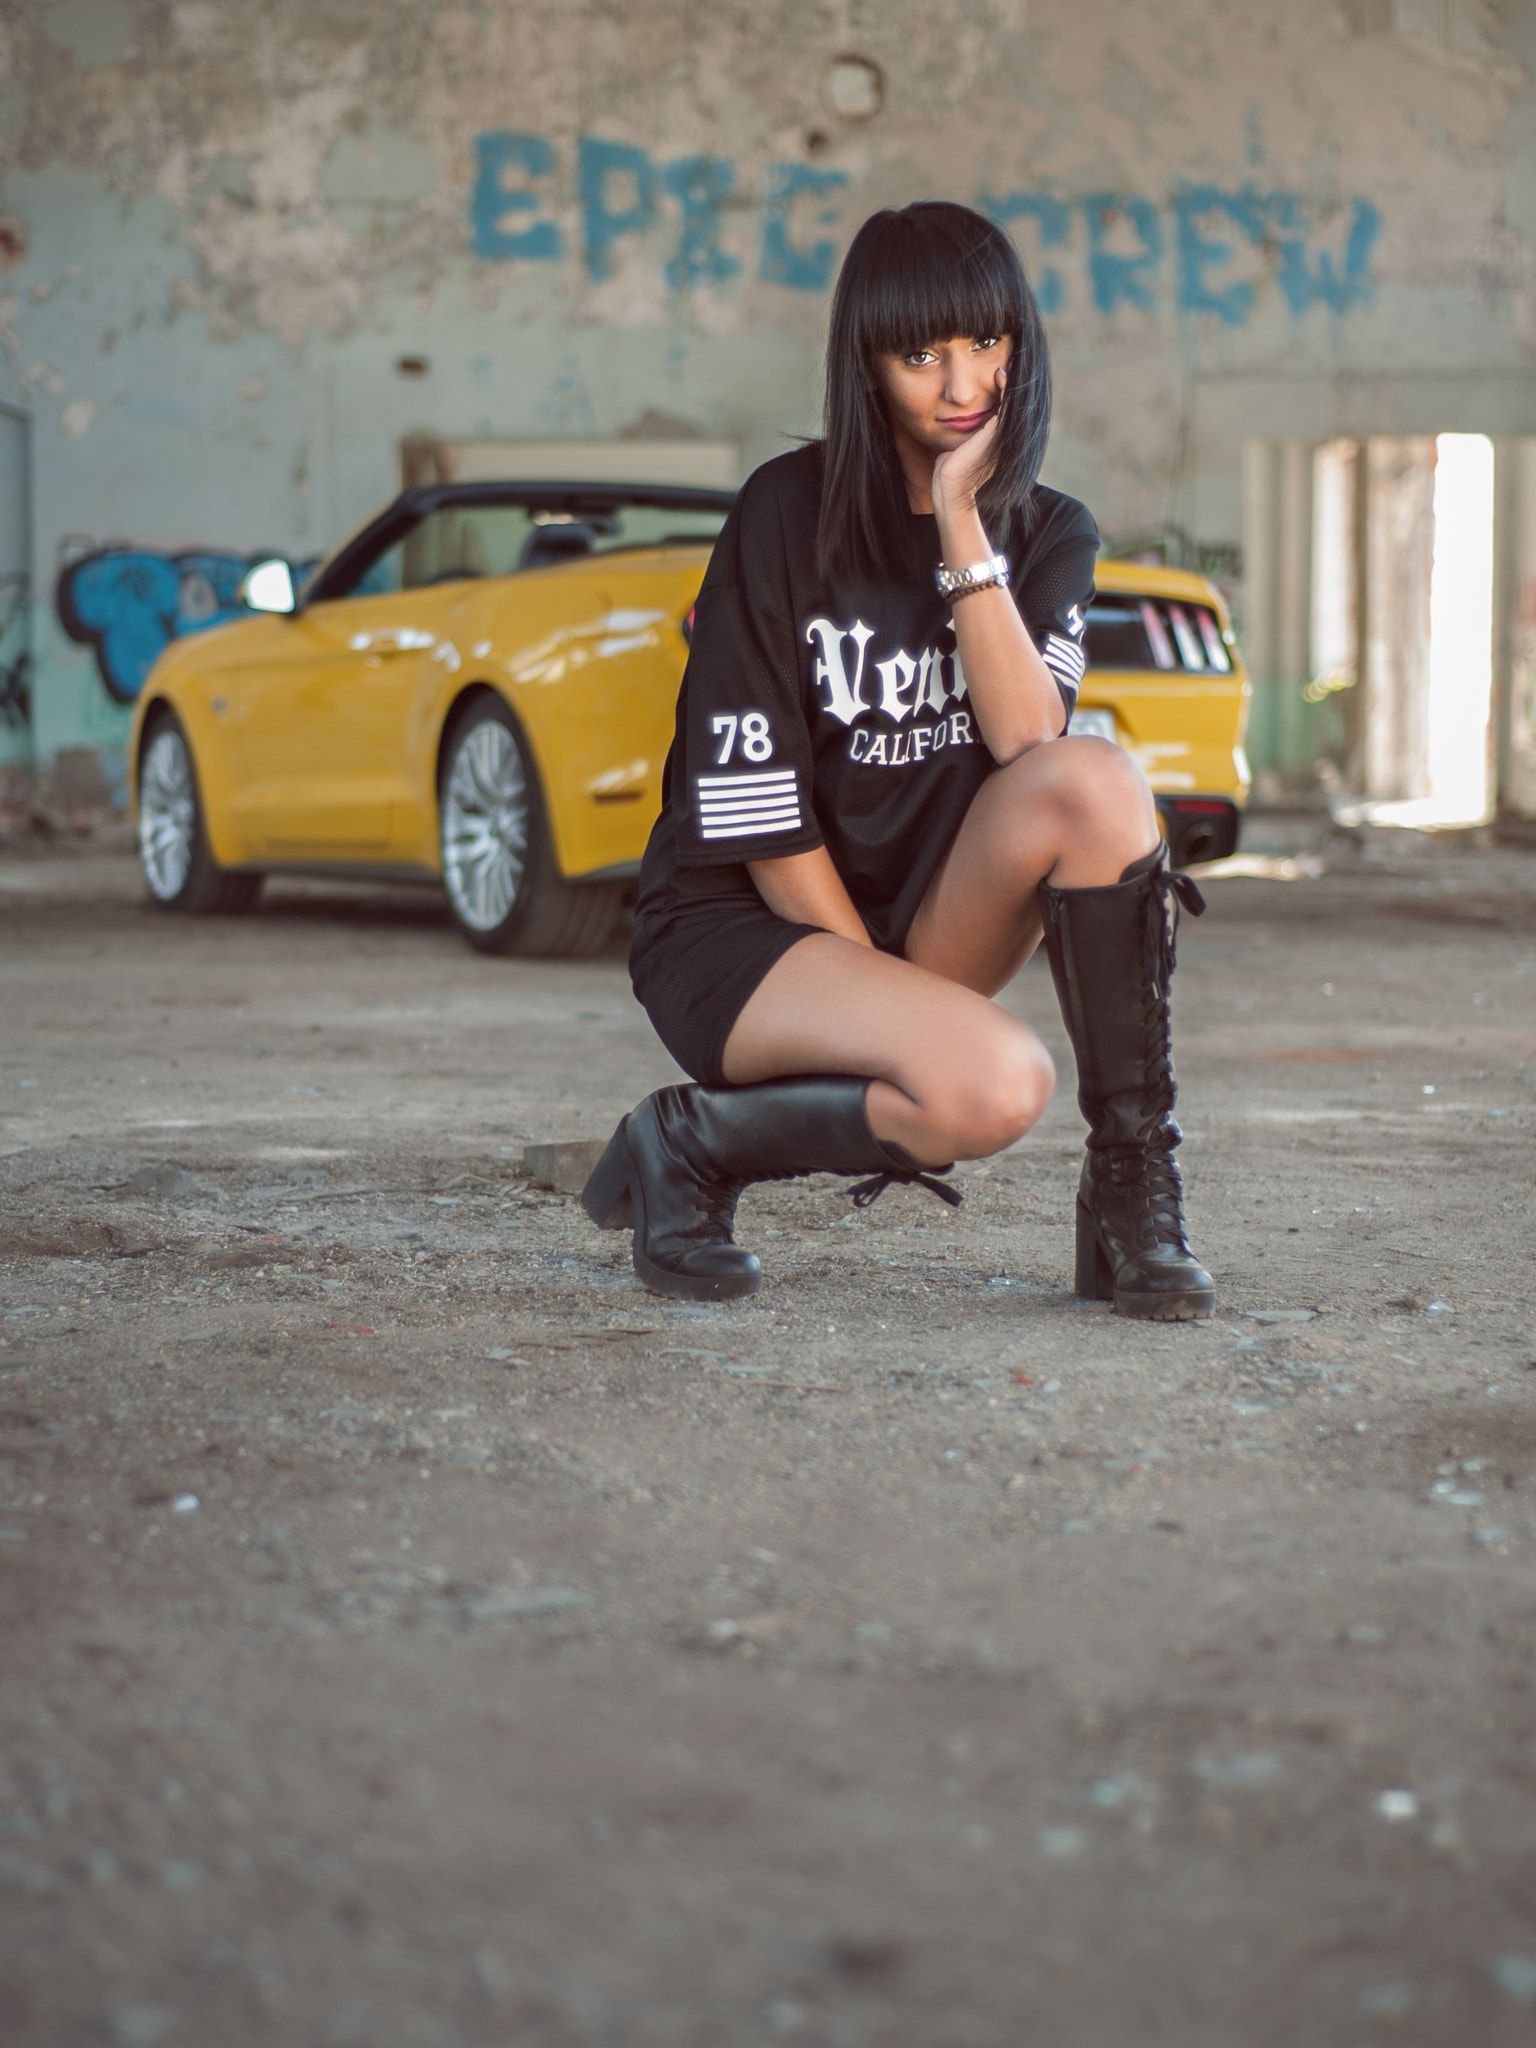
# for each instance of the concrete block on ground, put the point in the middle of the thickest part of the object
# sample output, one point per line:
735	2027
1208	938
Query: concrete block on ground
566	1166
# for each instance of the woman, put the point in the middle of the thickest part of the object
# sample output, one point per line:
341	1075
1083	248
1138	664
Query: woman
870	814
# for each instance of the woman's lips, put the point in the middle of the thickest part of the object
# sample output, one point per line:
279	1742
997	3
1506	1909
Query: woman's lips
965	421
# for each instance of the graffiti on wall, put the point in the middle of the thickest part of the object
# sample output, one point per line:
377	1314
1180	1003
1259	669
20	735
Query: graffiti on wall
1209	249
128	604
1213	246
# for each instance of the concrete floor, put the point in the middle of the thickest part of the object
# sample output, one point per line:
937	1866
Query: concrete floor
417	1635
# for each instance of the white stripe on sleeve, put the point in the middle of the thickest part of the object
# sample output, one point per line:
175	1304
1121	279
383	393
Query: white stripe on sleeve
1064	657
747	806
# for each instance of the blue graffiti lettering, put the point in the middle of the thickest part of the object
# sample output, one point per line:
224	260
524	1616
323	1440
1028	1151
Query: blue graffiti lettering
600	165
494	200
1054	220
129	604
1307	284
701	185
1118	279
784	261
1200	253
622	191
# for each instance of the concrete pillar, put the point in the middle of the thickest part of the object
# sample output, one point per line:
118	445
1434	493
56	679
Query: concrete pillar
1277	602
1293	607
1337	475
1261	497
1514	628
1400	544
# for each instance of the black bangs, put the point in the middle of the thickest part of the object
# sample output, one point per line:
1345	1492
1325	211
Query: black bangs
933	276
928	273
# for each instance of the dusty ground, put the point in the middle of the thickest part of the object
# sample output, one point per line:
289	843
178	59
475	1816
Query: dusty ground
416	1634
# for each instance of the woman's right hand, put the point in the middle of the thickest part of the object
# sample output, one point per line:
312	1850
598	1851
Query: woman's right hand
805	888
958	475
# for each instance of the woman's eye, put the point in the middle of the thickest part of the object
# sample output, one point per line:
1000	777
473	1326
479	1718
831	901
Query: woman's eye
918	357
986	341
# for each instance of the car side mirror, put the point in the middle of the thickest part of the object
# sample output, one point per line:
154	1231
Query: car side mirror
269	587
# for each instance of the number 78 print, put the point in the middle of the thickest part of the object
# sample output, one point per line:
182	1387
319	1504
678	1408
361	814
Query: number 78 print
755	736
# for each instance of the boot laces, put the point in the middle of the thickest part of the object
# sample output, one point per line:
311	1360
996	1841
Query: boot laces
1171	890
871	1190
717	1199
1147	1180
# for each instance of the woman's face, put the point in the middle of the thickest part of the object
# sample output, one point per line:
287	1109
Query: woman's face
941	393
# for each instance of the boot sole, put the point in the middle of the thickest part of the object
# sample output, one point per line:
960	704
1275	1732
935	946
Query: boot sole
1094	1280
684	1287
613	1200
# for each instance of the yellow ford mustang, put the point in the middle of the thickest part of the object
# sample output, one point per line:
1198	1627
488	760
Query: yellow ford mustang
478	689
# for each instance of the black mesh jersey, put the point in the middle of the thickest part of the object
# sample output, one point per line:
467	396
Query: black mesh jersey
838	716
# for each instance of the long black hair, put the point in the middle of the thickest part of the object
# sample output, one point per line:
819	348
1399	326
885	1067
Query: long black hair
931	271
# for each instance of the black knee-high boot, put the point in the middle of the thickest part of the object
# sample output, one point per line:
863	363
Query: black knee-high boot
1112	956
675	1166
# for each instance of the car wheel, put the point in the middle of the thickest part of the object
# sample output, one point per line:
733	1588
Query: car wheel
179	871
499	869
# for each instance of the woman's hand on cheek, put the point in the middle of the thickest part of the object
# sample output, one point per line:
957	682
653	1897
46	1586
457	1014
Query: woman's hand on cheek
957	475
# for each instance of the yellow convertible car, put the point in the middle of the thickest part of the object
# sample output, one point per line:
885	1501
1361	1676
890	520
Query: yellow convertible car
478	690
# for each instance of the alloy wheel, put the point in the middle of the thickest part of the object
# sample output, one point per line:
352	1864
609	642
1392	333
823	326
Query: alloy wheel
167	815
486	823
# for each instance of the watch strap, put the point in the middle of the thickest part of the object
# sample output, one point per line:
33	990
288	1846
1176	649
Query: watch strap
979	576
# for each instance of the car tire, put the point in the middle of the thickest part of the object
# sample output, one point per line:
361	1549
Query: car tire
179	871
504	887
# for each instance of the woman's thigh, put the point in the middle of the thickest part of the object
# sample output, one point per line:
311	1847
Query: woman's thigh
1077	812
952	1075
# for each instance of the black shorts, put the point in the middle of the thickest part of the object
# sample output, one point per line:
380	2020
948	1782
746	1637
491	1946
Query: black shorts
700	952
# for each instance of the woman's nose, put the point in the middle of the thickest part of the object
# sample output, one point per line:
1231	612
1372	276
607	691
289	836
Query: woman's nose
964	387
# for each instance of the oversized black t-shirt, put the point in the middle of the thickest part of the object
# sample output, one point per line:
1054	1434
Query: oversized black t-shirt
838	716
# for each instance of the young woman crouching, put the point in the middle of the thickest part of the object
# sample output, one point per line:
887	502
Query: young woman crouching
871	815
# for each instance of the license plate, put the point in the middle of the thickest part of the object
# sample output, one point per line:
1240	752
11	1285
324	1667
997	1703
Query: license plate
1098	725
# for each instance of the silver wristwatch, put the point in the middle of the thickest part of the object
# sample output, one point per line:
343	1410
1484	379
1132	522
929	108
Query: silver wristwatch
985	575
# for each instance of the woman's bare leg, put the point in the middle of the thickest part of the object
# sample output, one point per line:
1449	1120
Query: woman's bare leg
953	1076
1077	812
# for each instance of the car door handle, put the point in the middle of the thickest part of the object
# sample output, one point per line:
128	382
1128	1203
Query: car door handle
395	640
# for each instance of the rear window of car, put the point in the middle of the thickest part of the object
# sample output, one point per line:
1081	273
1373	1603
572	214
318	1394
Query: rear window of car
1126	631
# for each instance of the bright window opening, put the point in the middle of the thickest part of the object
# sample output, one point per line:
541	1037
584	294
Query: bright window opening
1461	630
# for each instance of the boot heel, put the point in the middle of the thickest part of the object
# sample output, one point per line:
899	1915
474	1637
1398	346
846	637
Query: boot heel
1093	1280
606	1197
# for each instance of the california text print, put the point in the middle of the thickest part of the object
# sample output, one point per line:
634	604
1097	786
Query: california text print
908	687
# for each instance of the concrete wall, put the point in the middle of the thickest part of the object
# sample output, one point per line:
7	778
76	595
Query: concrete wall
247	247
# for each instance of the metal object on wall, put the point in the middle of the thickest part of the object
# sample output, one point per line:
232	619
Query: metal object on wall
15	585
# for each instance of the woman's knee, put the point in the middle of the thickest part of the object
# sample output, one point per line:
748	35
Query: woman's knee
1097	782
988	1099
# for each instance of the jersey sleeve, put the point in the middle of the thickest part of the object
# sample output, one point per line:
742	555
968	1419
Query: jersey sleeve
1056	587
741	785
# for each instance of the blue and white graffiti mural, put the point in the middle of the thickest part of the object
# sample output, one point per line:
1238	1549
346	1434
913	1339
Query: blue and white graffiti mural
128	604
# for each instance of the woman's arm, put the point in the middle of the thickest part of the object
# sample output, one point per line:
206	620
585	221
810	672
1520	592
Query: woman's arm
1013	694
805	888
